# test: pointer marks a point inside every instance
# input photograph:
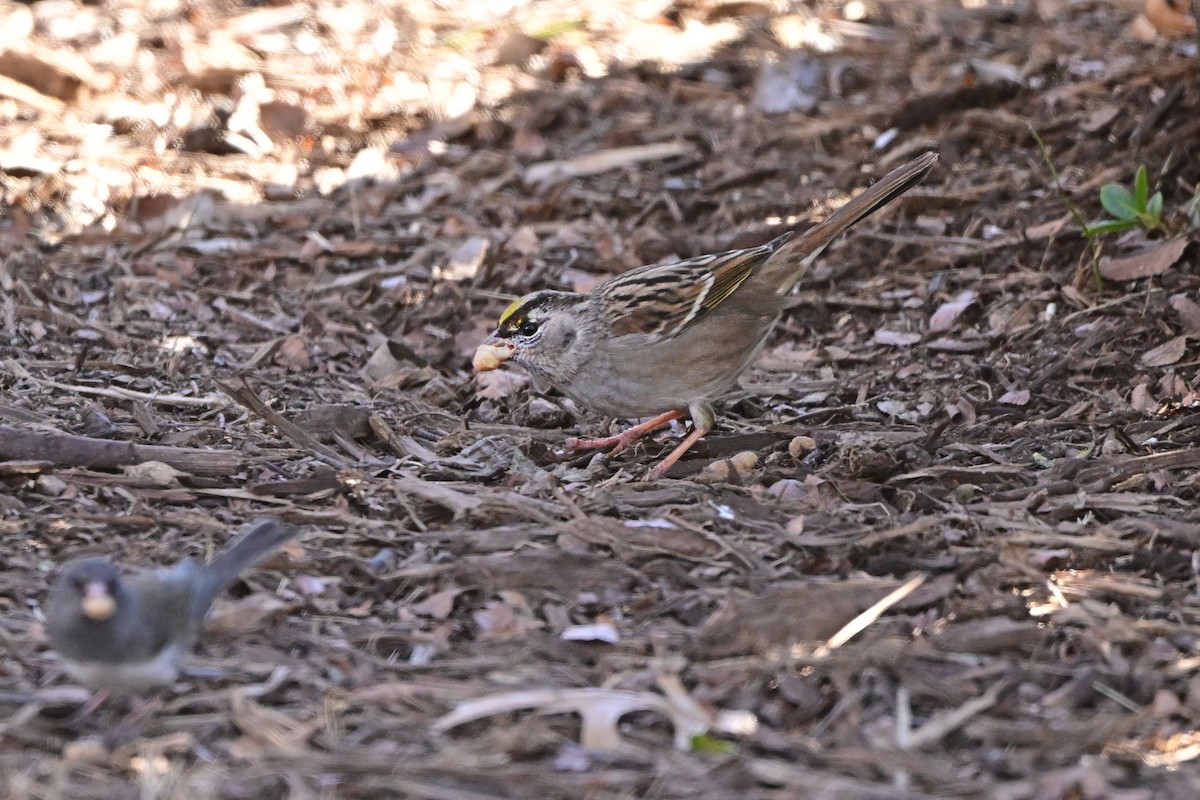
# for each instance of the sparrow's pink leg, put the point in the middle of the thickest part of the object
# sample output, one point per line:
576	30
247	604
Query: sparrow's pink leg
624	438
661	467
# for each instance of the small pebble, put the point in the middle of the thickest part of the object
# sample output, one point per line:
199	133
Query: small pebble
744	461
801	446
728	469
85	751
51	485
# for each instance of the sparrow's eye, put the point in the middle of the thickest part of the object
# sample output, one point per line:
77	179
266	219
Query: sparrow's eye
529	328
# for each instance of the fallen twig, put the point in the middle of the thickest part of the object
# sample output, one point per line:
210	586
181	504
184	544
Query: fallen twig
69	450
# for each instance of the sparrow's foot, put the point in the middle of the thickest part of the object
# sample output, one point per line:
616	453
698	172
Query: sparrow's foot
622	439
660	469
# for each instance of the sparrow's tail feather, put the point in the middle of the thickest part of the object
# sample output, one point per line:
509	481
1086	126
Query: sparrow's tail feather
263	537
797	252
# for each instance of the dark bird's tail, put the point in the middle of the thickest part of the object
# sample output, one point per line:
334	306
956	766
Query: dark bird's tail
263	537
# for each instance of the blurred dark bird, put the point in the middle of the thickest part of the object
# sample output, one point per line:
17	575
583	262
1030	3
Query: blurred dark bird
131	632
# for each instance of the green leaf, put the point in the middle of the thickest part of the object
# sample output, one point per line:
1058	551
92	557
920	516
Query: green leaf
1154	208
558	28
703	743
1109	226
1117	201
1141	188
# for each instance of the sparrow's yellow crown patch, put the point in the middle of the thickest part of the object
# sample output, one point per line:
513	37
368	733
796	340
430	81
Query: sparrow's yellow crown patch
513	307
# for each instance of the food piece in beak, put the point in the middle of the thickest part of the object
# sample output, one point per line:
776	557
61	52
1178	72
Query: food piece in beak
489	355
97	603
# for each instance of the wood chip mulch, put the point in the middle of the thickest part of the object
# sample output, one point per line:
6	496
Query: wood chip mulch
943	543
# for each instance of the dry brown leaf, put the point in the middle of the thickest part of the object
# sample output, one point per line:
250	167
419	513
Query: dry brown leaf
154	473
1100	117
646	535
1142	400
267	730
1172	385
464	263
795	84
1166	353
1011	318
602	709
1045	230
500	383
248	614
947	314
57	73
524	241
1153	261
548	172
382	364
282	120
437	606
896	338
1015	397
950	344
263	20
990	635
1143	30
1170	17
962	410
439	493
293	354
1188	311
785	615
501	622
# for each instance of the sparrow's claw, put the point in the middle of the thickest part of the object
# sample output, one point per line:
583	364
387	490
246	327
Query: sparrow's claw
622	440
574	446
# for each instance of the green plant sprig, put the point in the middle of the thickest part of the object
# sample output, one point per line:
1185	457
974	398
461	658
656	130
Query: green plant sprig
1129	209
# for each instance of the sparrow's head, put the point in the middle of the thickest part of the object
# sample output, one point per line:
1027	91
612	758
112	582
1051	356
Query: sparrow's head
541	332
92	583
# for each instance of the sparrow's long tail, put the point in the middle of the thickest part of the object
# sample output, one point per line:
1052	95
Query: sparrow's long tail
263	537
798	251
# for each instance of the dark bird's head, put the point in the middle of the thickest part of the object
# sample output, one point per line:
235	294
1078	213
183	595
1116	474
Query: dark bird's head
94	584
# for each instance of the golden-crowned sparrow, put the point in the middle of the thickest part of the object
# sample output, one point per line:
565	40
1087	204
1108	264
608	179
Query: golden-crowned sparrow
666	339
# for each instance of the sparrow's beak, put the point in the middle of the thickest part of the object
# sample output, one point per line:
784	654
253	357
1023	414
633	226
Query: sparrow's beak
490	354
97	604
